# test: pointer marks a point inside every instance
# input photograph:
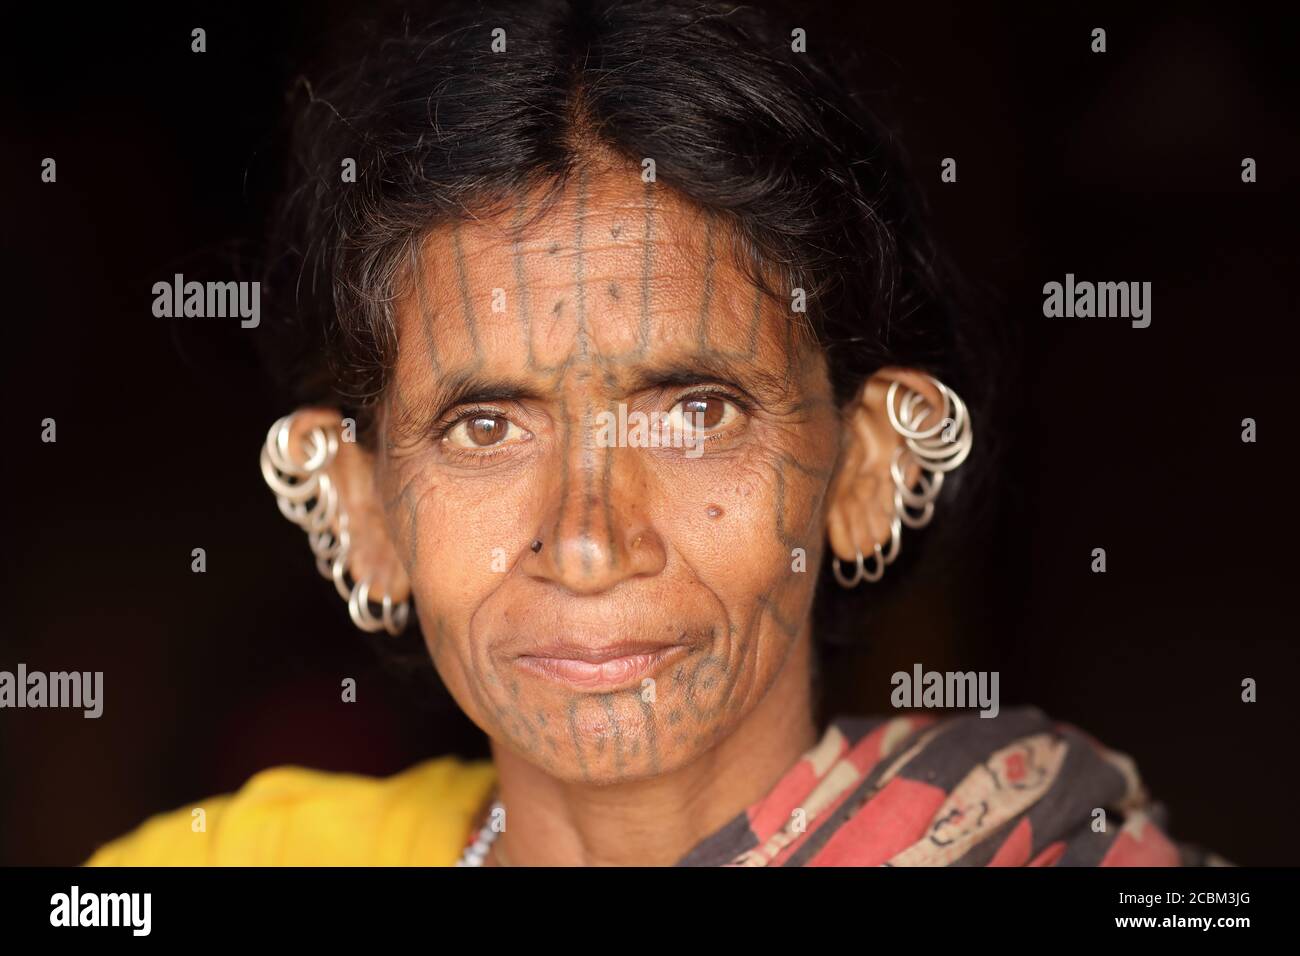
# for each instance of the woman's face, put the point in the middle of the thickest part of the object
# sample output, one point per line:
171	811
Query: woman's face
608	610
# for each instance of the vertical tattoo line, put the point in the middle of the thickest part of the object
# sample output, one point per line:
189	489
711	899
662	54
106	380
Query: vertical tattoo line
606	485
521	288
615	731
426	317
588	477
573	735
566	453
466	302
647	269
752	349
651	732
579	262
706	297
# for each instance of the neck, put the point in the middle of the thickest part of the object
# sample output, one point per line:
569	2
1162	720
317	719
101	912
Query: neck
656	821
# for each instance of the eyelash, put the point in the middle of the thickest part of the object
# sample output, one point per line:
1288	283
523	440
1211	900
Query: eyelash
448	422
713	391
444	425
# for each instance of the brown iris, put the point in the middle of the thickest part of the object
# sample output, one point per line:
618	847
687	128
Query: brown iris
486	429
704	411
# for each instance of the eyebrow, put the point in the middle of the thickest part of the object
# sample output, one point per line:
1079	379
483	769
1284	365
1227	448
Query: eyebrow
709	366
466	387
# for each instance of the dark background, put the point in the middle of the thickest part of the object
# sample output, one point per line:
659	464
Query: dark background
1123	166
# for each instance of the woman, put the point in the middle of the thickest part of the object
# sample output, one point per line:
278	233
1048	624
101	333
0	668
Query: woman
613	322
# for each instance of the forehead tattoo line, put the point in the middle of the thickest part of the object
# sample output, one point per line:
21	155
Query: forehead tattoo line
466	300
608	360
706	292
521	286
580	261
647	269
583	353
422	304
704	329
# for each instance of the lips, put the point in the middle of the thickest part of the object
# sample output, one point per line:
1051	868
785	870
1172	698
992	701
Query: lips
607	667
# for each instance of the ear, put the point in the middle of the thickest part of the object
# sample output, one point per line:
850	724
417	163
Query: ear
371	553
862	495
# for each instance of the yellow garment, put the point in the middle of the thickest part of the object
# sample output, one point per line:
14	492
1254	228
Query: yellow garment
292	816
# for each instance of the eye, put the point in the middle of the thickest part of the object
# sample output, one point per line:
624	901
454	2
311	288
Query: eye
484	430
703	412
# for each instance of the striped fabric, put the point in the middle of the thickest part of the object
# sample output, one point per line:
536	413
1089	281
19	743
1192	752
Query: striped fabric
1015	790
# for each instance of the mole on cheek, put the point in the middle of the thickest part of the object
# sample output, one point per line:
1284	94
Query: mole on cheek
713	511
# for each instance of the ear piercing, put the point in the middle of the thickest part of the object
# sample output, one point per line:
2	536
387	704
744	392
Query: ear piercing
309	499
881	557
938	449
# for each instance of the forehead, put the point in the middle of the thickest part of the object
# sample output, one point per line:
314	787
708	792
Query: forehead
611	270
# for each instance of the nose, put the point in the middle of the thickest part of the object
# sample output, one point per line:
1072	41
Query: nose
595	533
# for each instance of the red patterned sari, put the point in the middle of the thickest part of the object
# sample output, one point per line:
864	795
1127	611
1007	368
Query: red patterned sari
1014	790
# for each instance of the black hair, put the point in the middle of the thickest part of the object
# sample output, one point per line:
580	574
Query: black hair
812	187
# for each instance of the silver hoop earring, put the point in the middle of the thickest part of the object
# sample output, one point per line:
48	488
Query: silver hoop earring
879	571
309	498
860	572
936	448
895	540
935	445
847	582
